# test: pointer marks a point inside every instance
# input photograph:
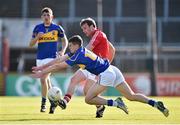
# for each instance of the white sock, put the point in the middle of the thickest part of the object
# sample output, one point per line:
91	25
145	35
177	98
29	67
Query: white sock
65	101
100	107
155	105
115	103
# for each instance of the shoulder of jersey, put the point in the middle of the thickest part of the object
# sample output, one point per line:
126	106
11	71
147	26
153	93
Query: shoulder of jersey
101	33
39	25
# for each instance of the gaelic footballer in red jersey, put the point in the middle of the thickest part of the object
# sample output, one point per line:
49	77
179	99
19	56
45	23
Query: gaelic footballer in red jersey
99	43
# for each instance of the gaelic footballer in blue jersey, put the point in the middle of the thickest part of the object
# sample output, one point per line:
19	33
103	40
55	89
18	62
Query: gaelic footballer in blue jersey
108	76
87	60
47	36
48	42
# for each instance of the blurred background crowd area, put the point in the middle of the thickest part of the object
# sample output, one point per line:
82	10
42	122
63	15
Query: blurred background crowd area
126	23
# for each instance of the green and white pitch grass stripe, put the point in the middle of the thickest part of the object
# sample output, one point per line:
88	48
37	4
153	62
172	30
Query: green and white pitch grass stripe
25	110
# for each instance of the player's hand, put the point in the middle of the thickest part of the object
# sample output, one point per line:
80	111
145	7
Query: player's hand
59	54
37	75
39	35
37	68
36	39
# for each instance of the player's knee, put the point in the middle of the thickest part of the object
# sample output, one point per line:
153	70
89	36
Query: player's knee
131	97
86	100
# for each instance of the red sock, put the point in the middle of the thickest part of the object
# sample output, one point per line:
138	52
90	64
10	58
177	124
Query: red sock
67	97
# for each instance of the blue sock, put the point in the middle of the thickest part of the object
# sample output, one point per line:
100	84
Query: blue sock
151	102
110	102
43	100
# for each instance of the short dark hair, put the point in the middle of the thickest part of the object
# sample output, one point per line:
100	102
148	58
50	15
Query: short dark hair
89	21
76	39
47	10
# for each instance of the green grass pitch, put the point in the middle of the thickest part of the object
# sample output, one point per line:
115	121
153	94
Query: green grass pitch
25	110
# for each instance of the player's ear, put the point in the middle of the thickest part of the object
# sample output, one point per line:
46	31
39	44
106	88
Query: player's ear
41	16
52	16
91	27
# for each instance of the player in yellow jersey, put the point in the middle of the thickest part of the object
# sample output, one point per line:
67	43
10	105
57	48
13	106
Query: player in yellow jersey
47	35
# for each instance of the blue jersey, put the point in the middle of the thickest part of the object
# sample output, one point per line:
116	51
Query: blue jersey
88	60
48	43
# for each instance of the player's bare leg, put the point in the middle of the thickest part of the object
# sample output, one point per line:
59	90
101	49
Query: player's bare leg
92	98
49	82
52	104
127	92
100	108
44	89
76	79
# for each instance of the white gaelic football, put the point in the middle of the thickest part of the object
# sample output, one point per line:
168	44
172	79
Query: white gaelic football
54	94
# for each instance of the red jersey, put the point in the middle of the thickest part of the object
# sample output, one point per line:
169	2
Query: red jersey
100	44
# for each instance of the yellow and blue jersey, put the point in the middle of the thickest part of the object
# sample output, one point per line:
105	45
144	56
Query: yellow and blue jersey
48	43
88	60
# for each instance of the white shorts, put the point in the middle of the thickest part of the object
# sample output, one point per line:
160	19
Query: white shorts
112	76
88	75
40	62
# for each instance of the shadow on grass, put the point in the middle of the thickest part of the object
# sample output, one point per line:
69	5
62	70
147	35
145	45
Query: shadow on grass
47	117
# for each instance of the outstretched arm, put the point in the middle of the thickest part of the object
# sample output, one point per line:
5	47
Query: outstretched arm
52	66
50	69
56	60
